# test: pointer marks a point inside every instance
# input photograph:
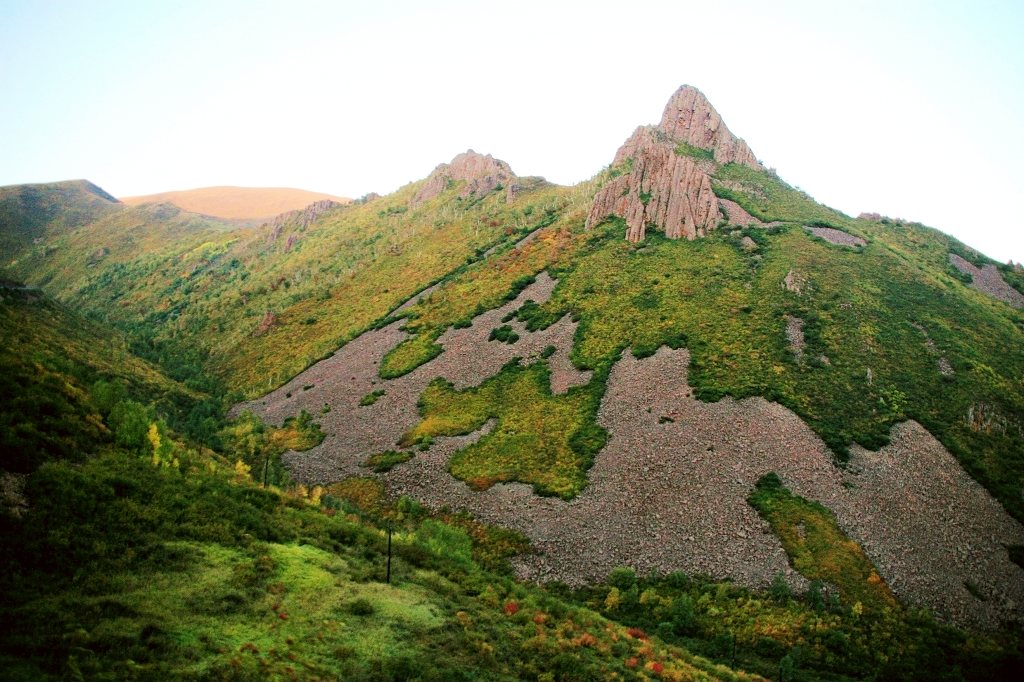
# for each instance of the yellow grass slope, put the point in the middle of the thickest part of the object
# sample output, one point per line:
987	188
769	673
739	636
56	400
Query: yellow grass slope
249	204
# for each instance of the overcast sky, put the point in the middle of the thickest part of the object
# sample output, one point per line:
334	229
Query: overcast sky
910	109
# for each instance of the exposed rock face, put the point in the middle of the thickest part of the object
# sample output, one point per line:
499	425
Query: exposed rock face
481	174
299	219
666	184
690	118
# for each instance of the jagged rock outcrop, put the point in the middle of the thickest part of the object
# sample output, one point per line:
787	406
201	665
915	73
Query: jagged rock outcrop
690	118
304	216
665	181
481	174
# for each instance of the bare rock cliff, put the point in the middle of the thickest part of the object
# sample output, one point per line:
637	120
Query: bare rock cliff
480	173
665	171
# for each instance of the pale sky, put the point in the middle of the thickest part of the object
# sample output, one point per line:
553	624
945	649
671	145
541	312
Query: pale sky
910	109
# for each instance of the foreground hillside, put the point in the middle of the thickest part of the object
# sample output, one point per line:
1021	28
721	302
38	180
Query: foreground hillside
158	558
246	205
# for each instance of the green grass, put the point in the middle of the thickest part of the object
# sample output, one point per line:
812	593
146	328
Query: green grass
196	573
764	195
817	547
686	149
371	397
384	461
541	439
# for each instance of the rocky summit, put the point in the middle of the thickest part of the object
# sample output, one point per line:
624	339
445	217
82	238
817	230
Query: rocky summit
663	172
478	173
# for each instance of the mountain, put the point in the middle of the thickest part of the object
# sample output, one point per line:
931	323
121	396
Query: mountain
243	205
31	213
798	427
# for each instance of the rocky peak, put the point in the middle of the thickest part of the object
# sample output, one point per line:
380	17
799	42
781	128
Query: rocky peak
690	118
665	171
481	173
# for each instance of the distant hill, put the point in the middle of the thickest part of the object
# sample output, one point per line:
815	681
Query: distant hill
250	205
30	213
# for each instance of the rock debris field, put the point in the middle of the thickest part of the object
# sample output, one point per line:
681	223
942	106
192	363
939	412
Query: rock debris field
669	494
837	237
988	280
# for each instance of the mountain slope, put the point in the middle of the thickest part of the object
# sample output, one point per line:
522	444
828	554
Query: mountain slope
836	319
496	329
683	364
247	205
61	376
292	291
29	214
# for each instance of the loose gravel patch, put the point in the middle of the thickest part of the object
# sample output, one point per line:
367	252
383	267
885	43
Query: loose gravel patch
355	432
837	237
988	280
736	214
669	490
795	336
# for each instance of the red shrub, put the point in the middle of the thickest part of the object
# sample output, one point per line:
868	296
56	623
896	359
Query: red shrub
636	633
511	608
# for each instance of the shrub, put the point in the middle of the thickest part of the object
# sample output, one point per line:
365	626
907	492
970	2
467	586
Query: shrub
371	397
503	333
361	607
780	589
623	578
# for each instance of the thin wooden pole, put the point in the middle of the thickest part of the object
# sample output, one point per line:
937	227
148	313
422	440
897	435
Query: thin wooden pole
388	579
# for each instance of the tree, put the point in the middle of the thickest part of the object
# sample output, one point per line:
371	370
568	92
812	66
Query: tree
130	421
779	590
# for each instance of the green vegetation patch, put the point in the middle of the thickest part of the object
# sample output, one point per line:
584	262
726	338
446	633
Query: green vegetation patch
809	637
542	439
371	397
384	461
764	195
258	447
504	333
686	149
817	547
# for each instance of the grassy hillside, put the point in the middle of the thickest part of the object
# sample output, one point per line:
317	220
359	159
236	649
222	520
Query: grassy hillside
868	316
62	375
140	553
890	330
252	205
31	213
259	305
